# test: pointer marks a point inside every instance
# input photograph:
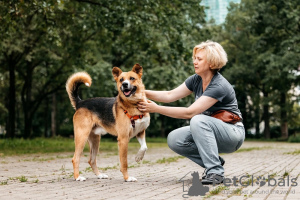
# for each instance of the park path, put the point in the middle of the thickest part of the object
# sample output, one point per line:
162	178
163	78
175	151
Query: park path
163	175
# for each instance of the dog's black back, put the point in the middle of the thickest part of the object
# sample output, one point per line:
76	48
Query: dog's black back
101	106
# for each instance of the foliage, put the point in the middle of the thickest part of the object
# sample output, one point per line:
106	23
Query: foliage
294	139
43	42
262	42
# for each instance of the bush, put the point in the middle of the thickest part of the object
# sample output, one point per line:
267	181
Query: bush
294	139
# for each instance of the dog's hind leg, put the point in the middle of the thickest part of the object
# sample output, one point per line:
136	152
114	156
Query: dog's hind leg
141	137
94	141
82	129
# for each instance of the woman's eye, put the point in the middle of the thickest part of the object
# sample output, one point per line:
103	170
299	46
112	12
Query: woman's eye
122	79
131	78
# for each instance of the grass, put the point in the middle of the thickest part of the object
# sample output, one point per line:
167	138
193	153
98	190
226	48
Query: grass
3	182
22	178
10	147
296	152
217	190
252	149
36	181
285	174
169	160
237	191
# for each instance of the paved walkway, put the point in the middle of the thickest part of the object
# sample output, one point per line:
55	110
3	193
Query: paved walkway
274	169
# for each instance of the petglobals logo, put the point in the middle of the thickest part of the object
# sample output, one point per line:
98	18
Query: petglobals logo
194	187
260	180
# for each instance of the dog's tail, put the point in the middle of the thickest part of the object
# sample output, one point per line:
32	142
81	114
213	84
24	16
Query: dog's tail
73	84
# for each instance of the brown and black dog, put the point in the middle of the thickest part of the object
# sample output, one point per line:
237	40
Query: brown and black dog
118	116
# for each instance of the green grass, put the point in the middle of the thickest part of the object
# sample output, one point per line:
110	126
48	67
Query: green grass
36	181
285	174
169	160
22	179
296	152
10	147
217	190
237	191
3	182
252	149
293	139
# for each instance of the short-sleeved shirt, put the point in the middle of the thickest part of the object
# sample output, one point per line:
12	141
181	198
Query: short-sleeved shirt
219	88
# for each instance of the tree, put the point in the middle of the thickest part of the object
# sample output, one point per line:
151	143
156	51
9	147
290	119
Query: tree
43	42
261	38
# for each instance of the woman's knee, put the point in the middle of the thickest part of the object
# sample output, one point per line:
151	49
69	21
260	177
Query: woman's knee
171	140
179	138
199	121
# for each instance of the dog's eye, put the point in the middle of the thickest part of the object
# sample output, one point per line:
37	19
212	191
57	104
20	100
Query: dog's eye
131	78
122	79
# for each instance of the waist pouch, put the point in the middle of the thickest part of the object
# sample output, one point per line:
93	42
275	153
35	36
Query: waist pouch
226	116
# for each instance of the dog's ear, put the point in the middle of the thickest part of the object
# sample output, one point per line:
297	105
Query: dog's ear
137	68
116	71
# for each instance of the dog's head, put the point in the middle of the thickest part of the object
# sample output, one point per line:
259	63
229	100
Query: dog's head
130	83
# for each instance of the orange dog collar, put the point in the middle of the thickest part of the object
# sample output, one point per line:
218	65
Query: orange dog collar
133	118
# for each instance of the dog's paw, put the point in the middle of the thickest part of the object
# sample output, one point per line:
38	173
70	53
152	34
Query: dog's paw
131	179
140	155
80	178
102	176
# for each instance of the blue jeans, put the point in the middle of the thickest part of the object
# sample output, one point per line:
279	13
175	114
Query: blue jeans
204	139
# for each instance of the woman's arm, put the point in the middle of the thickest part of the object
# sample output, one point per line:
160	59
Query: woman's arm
199	106
169	96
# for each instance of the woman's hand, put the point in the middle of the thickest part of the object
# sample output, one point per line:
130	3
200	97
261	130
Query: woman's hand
148	106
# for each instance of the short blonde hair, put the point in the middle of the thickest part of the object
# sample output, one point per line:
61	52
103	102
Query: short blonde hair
215	54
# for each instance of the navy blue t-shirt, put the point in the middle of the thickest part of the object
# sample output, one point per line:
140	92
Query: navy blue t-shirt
219	88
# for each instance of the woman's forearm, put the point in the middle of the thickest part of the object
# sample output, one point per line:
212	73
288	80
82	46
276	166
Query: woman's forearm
174	112
160	96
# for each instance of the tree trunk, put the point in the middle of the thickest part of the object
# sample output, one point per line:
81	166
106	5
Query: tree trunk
28	125
27	107
46	118
257	120
283	117
244	111
266	116
53	115
11	102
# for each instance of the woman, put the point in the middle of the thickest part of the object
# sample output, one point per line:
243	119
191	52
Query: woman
206	136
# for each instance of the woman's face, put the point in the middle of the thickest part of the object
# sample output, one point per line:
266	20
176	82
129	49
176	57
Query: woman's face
200	63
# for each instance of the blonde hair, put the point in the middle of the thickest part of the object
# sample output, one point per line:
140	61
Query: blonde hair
214	52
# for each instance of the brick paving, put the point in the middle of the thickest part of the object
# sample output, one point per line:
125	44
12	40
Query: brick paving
50	176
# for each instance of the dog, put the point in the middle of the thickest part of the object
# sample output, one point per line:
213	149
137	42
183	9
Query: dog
118	116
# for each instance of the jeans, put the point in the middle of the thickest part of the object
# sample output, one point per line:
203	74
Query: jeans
204	139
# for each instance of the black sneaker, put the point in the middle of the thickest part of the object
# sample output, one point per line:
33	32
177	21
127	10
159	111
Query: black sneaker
222	163
212	179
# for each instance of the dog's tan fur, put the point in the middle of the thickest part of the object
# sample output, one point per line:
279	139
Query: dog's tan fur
87	123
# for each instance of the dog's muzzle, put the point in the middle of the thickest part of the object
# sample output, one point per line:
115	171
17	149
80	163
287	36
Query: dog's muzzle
128	89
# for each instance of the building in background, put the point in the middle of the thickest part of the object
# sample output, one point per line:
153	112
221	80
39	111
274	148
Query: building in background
217	9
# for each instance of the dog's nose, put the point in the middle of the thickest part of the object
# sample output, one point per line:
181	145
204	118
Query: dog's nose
125	85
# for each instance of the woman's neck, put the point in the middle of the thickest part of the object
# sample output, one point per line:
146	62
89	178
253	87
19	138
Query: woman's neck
206	79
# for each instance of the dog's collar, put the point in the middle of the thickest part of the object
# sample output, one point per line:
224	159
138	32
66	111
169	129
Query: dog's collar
133	118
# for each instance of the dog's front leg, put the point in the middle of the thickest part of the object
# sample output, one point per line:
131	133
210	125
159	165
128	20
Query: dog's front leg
123	149
141	137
